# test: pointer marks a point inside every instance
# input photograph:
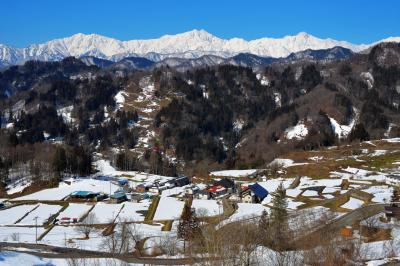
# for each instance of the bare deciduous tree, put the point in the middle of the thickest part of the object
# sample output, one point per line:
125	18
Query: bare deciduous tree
88	225
124	240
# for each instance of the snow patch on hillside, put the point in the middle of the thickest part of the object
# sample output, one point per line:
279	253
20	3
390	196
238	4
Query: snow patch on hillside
120	99
238	125
342	131
368	78
278	99
66	114
263	79
297	132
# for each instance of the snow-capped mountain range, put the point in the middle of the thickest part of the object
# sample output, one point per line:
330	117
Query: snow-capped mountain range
191	44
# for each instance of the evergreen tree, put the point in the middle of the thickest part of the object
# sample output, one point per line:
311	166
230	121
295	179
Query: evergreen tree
279	203
188	226
278	235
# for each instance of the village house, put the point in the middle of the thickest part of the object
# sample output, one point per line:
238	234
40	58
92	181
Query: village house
254	193
226	183
217	191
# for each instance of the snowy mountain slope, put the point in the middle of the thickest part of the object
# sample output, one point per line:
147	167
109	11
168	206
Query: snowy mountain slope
192	44
94	61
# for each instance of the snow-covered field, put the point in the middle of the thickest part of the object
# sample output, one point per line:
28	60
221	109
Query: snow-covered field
75	210
130	211
234	173
293	205
207	207
41	213
272	184
13	214
382	194
169	209
19	234
105	213
310	193
104	167
65	189
69	236
245	211
353	203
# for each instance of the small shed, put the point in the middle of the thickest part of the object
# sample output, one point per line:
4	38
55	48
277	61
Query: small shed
118	197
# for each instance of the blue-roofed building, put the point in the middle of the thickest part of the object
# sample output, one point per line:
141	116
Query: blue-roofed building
84	195
122	182
103	178
258	193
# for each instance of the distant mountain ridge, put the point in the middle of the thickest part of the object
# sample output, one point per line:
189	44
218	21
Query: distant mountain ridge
242	59
192	44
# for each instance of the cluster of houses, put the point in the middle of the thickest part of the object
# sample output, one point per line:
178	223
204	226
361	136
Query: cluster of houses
223	188
240	192
219	189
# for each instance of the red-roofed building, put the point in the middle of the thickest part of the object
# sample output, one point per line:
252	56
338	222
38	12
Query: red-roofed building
217	191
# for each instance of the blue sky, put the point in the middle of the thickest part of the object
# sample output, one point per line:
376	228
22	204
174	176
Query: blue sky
358	21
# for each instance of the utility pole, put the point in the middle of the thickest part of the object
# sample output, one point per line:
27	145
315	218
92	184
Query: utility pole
36	227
